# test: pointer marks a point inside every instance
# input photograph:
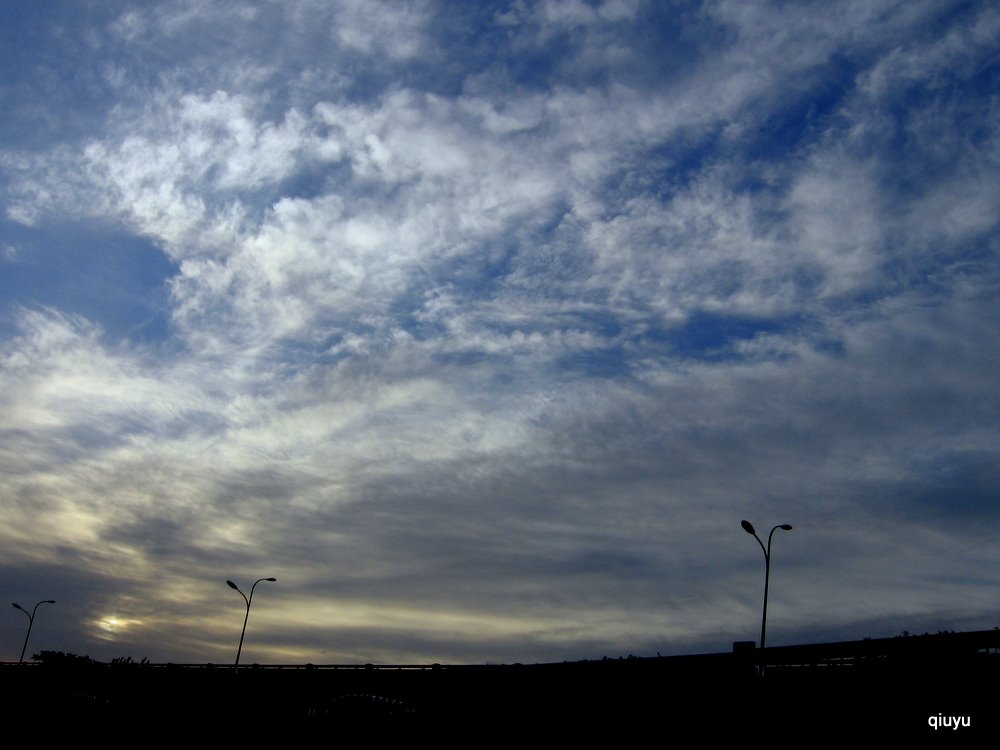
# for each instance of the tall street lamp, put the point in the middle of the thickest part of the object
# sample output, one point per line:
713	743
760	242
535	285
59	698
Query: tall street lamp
31	621
234	586
748	528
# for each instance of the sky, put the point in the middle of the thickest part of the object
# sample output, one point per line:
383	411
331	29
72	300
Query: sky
481	326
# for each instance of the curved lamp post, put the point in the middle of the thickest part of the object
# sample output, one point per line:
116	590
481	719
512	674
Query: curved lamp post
31	621
748	528
234	586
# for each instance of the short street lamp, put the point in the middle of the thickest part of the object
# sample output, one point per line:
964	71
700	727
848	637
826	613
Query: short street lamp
31	621
748	528
247	600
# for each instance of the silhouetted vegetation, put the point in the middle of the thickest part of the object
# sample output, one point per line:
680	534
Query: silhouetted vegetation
61	659
127	662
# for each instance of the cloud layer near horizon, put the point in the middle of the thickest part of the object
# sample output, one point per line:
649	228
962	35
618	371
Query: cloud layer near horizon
481	329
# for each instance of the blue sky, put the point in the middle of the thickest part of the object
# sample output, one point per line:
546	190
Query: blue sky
481	328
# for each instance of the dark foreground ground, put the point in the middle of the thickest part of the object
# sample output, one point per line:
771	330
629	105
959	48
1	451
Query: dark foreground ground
885	688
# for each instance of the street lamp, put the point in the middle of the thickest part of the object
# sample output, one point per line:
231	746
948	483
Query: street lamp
748	528
234	586
31	621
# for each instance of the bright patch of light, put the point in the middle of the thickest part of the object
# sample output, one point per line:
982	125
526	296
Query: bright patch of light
111	626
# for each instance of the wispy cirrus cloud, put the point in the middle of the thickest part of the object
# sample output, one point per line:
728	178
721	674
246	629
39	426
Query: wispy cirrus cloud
475	323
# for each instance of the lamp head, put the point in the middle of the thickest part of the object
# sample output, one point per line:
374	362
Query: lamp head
49	601
786	526
748	527
275	579
15	605
232	585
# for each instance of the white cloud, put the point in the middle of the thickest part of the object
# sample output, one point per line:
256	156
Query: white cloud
424	325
